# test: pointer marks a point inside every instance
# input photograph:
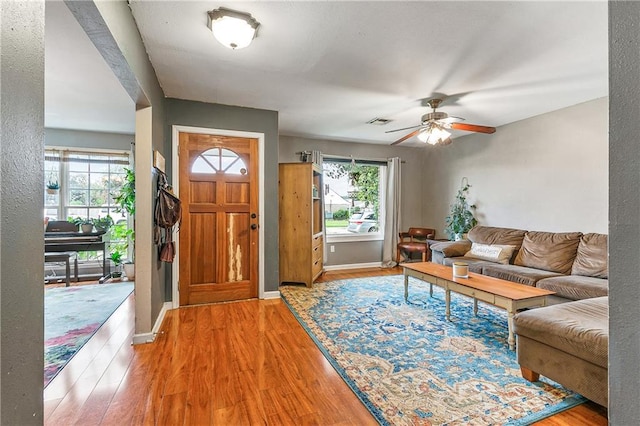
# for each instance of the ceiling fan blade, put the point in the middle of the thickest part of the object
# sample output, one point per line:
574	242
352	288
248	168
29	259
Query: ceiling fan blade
404	128
473	128
405	137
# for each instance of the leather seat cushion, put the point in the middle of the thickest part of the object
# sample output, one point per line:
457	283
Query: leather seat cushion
413	246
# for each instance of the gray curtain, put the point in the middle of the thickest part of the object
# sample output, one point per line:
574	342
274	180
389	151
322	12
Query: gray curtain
392	213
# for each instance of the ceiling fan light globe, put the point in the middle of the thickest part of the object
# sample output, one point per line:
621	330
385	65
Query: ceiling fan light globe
423	136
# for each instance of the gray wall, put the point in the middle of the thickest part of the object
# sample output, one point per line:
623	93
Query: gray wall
349	253
84	139
546	173
21	202
215	116
112	29
624	202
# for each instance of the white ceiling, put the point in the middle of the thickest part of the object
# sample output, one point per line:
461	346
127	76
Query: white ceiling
329	67
80	90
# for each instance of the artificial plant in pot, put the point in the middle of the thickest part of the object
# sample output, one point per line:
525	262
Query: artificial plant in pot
125	200
461	218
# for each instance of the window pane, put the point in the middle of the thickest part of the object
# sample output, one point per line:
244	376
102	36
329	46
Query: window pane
215	160
78	166
52	214
351	198
78	180
99	180
77	212
117	168
99	197
78	197
99	167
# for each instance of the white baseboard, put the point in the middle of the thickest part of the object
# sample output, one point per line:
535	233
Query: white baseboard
139	339
271	295
353	266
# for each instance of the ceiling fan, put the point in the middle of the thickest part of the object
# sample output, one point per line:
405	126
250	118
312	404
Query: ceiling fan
433	129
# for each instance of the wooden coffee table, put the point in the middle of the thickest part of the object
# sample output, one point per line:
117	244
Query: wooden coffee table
501	293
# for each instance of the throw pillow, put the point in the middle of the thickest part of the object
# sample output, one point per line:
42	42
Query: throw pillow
549	251
592	260
497	253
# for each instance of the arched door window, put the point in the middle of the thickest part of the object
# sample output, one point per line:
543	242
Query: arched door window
219	160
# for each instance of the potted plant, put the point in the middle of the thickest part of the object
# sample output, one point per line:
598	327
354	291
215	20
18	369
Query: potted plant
103	224
53	186
126	200
84	223
461	218
116	258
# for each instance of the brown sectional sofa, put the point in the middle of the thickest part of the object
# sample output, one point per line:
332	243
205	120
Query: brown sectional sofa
567	342
572	264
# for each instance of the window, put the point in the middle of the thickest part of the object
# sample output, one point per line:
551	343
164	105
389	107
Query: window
88	182
353	198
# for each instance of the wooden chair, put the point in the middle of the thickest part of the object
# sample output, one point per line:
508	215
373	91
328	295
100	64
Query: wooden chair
414	241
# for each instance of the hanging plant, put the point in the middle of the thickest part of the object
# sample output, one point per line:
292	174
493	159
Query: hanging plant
461	218
52	186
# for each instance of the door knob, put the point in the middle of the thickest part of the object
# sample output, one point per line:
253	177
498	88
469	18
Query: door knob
253	215
254	226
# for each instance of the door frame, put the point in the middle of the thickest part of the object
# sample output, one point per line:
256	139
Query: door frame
175	173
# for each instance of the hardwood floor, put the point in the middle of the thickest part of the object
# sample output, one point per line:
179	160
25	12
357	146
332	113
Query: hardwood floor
241	363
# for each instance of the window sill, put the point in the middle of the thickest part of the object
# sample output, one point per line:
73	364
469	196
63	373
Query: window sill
354	238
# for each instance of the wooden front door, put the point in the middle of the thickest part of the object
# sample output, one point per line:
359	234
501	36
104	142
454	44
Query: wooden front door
219	231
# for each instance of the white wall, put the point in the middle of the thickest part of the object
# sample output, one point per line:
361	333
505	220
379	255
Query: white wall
546	173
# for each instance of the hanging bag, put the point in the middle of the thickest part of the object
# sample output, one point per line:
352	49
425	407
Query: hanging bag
168	213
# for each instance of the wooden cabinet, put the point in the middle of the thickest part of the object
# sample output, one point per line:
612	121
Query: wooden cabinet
301	222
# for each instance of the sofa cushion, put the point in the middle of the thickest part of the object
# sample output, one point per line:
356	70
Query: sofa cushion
475	265
451	248
493	235
550	251
580	328
497	253
591	259
576	287
517	274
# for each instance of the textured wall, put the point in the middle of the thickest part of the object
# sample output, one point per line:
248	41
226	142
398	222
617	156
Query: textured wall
624	201
546	173
21	203
112	29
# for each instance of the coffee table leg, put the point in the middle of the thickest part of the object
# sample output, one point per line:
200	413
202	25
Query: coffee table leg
475	307
406	287
430	289
512	340
447	299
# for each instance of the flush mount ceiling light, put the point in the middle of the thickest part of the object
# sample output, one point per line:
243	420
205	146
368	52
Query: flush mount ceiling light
232	28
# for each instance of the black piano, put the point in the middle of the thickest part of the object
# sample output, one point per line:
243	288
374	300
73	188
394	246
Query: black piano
63	236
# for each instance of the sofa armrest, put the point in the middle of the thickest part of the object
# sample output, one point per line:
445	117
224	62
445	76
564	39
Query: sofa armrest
452	248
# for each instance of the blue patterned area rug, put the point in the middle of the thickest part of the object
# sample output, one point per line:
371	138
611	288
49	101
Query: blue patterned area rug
72	315
410	366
